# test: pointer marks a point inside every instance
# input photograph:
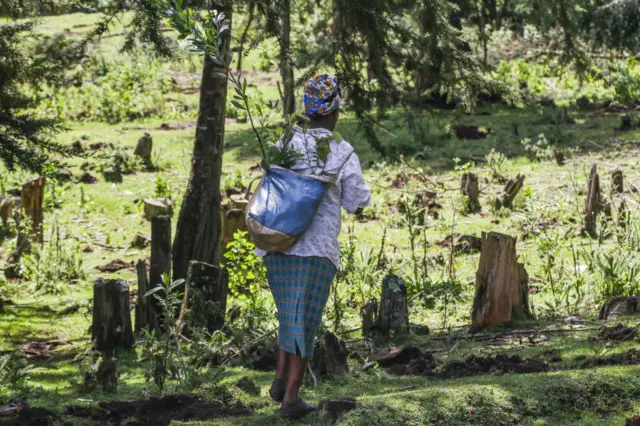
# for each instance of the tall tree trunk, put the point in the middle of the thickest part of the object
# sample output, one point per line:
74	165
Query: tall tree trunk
286	62
243	38
199	226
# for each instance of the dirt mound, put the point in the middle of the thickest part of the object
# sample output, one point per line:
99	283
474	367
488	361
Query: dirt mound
158	411
116	265
500	363
30	416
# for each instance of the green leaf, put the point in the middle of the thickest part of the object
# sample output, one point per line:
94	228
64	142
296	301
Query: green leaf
238	105
337	136
153	291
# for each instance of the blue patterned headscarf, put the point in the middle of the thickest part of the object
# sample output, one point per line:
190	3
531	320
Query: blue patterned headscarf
321	95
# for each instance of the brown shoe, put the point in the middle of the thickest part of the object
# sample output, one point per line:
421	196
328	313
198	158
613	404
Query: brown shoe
277	390
295	411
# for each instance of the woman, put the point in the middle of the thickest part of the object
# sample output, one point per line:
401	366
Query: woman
300	277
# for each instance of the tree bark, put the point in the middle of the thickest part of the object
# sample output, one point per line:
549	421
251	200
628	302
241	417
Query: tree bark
595	203
111	327
6	213
511	190
286	62
32	197
160	250
617	181
369	317
199	226
233	220
501	284
394	311
208	287
470	188
146	307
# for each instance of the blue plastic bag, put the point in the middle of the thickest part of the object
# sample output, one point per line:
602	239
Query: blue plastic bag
283	206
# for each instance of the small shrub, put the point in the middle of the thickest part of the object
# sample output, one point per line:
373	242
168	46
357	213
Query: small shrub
498	164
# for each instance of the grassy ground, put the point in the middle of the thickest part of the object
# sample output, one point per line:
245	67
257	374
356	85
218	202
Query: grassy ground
97	222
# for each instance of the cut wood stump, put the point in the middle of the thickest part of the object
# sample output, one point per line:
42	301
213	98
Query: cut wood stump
394	311
617	181
6	214
107	376
144	148
595	203
207	286
160	250
233	219
330	357
501	284
620	306
146	307
623	215
369	317
111	327
112	174
31	217
333	408
155	207
511	190
31	199
471	190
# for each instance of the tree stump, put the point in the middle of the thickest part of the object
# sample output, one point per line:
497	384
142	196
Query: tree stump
511	190
559	157
155	207
330	357
617	181
208	286
146	307
394	311
500	284
144	148
112	174
333	408
595	203
470	189
620	306
369	317
107	375
233	220
6	214
160	250
111	327
31	199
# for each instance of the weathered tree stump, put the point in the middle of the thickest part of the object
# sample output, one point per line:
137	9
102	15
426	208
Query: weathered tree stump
112	174
471	189
6	214
233	220
369	317
501	284
511	190
146	307
144	148
207	286
160	250
620	306
31	217
155	207
31	199
595	203
559	157
111	327
107	376
333	408
330	357
394	311
617	181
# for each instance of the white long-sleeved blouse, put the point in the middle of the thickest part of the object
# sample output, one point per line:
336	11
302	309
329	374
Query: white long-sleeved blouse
349	192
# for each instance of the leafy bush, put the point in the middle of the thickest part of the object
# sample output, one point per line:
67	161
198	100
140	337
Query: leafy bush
121	90
14	369
625	80
497	163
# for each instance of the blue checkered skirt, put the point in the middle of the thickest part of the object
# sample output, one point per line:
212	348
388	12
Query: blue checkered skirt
300	287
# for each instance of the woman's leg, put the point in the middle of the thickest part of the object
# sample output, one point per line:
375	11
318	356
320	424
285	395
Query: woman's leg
282	366
297	368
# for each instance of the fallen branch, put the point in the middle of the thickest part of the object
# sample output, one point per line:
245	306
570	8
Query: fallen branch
482	337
